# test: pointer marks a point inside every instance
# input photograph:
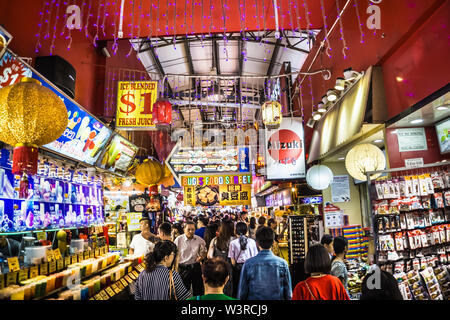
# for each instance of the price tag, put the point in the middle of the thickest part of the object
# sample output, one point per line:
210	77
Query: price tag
73	259
115	288
11	278
43	269
105	296
80	257
60	264
110	291
135	274
52	267
23	274
13	264
34	272
103	250
91	254
57	254
50	255
2	281
41	235
86	255
124	282
98	296
120	285
66	261
97	252
128	278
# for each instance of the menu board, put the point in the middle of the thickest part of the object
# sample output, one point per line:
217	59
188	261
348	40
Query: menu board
84	136
118	155
210	161
217	190
442	130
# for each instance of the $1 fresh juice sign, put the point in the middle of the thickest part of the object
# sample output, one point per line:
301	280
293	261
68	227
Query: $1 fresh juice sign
135	104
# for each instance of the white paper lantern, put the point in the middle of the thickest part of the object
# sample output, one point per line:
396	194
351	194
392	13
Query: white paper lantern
319	177
364	158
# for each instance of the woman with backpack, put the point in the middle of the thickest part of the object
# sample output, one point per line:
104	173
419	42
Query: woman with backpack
219	248
241	249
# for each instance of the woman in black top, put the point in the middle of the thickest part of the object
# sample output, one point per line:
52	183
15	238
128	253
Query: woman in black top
158	281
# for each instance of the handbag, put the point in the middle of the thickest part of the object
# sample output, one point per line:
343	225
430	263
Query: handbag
172	291
310	292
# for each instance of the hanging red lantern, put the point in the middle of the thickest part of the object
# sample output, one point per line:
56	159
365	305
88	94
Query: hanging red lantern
162	113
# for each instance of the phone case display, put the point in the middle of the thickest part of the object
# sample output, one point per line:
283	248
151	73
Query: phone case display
55	198
432	284
442	277
298	244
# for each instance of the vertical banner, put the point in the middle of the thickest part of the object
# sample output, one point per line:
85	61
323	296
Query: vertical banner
340	189
135	104
285	150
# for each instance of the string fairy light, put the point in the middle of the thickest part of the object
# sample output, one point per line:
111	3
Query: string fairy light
167	17
132	29
174	23
157	19
291	16
97	25
308	21
185	18
210	17
258	18
192	16
327	40
52	45
115	46
105	14
361	32
299	26
311	92
302	108
87	19
341	30
38	35
48	20
69	36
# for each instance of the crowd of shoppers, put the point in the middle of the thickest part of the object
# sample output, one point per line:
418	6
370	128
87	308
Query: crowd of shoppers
228	257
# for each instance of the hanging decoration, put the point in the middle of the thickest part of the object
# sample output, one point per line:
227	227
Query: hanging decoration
319	177
149	172
38	35
162	113
361	32
365	158
341	29
327	40
308	21
32	115
52	45
271	114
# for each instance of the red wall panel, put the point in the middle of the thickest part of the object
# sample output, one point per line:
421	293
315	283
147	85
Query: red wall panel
397	159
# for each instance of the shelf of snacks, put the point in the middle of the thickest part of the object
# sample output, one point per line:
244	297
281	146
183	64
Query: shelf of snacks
46	279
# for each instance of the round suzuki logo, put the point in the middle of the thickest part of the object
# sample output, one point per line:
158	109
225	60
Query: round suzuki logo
285	146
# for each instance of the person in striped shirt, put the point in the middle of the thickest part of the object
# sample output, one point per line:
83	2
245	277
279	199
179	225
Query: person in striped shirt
158	282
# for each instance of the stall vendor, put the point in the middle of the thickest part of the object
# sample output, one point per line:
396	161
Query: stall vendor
9	247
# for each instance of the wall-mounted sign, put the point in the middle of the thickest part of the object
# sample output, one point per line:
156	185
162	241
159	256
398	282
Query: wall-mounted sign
279	198
414	163
135	104
340	189
411	139
118	155
311	200
334	219
84	137
443	134
285	150
217	190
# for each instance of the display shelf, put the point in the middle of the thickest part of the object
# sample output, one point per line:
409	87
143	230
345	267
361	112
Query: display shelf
46	230
81	280
54	202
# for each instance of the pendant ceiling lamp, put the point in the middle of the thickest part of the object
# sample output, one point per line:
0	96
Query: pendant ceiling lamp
365	158
271	114
319	177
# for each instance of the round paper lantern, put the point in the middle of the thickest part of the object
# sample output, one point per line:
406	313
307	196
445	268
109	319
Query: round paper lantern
149	172
162	113
271	114
319	177
364	158
31	115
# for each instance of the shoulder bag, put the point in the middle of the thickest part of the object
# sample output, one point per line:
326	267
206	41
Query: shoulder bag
310	292
172	291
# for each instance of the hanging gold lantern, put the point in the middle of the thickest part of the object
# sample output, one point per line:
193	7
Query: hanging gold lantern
365	158
31	115
271	114
149	172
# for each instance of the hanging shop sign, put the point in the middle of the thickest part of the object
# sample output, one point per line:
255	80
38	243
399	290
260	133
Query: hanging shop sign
208	161
411	139
279	198
133	219
84	137
285	150
118	155
217	190
135	105
340	189
311	200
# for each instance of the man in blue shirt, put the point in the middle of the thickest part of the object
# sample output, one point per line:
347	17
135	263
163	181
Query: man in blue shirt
201	226
265	276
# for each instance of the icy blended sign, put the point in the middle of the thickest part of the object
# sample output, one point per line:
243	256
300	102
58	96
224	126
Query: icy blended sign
285	151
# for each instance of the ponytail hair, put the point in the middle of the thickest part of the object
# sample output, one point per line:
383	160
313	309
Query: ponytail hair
241	231
162	249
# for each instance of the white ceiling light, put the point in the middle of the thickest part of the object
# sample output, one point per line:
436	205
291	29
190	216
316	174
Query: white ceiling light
442	107
325	99
321	108
331	95
310	123
316	116
340	84
350	75
319	177
378	141
416	121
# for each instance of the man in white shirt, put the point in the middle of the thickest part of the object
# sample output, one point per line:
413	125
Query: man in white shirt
192	251
141	244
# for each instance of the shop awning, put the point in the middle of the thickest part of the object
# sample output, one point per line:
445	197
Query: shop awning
363	103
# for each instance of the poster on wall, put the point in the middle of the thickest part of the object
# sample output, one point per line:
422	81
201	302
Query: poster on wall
217	190
285	150
340	189
411	139
118	155
135	104
443	133
84	137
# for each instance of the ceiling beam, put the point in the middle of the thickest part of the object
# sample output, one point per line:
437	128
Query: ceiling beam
241	56
159	67
189	58
274	57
